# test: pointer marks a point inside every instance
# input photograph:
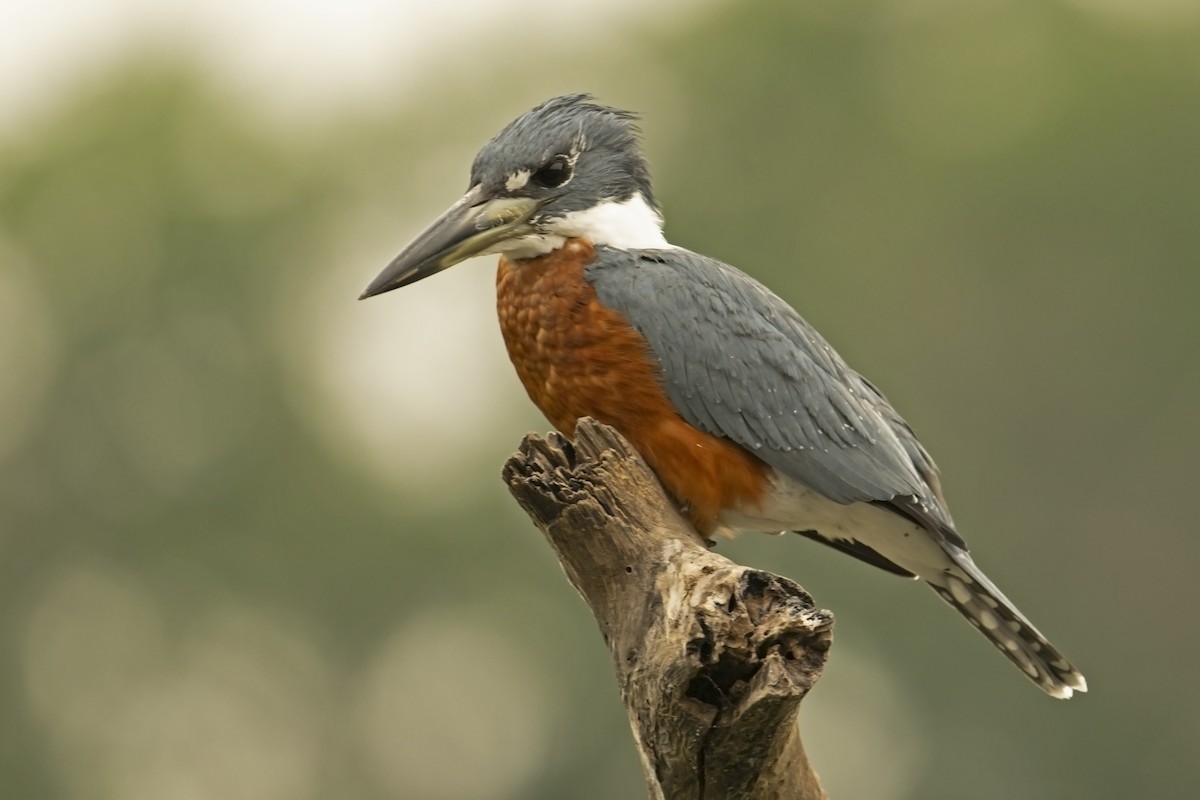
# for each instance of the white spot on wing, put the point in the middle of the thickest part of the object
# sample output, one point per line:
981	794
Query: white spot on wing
959	590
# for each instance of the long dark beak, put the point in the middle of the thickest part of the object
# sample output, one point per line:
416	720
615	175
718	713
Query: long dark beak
467	228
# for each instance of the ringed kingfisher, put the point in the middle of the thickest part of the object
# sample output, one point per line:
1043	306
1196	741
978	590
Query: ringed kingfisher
747	415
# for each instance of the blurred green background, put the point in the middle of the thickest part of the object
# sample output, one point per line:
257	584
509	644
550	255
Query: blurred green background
253	540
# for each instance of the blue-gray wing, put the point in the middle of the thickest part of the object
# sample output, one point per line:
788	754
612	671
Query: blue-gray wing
739	362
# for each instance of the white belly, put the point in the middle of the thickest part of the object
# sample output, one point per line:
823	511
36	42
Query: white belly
791	506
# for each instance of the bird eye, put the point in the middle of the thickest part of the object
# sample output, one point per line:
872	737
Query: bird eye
554	174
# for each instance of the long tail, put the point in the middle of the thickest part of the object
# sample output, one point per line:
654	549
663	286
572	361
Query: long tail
965	587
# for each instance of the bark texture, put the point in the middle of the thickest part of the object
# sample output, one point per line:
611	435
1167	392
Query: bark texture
712	658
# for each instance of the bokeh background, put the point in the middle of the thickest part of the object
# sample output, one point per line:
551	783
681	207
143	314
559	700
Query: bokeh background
253	540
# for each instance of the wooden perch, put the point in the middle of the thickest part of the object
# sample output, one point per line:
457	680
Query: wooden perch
712	658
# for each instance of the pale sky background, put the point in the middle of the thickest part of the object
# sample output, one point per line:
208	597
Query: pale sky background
297	55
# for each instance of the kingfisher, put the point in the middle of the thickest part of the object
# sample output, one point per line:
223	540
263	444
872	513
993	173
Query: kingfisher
748	417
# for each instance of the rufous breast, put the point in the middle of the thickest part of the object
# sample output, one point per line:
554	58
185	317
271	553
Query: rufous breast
578	358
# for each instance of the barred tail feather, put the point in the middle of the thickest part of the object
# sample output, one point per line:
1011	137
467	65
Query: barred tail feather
969	591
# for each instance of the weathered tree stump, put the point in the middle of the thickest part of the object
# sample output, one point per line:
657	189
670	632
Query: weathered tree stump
712	658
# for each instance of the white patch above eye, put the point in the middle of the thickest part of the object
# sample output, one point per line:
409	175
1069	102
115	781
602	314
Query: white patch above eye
626	225
517	180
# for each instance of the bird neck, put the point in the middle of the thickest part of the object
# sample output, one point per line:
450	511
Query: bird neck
629	224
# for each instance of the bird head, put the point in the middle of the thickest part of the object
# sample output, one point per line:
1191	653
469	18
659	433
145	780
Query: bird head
567	168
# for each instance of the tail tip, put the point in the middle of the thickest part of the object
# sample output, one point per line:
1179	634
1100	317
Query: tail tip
1069	681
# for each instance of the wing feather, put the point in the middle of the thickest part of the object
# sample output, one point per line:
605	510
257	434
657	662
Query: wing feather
739	362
